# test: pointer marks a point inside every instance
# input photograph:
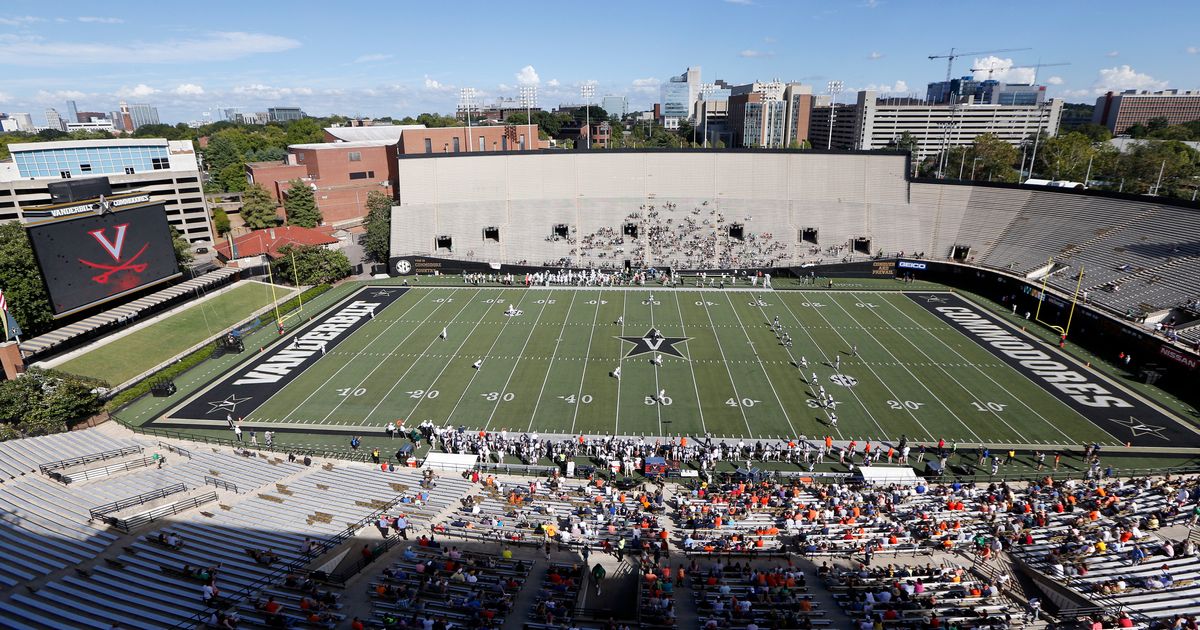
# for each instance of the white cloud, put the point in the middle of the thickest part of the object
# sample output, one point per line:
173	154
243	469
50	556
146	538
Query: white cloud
1124	77
769	40
267	92
1112	53
552	83
871	4
504	87
218	46
751	54
875	55
373	57
1055	80
899	87
140	90
4	98
527	76
100	20
44	96
744	3
1076	93
433	85
1192	50
20	20
188	89
993	67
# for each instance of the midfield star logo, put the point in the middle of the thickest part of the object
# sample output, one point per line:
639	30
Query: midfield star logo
654	341
228	405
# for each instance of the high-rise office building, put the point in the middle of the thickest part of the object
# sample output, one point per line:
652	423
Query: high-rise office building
770	115
679	96
54	121
142	114
988	91
284	114
24	121
615	105
1121	111
873	123
73	113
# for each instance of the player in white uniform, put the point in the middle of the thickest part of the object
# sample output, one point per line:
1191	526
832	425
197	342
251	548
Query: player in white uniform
814	378
662	395
445	335
837	363
657	360
803	363
478	364
833	419
617	373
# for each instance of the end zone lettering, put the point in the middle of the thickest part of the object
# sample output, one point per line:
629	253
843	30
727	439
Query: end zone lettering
281	363
1058	375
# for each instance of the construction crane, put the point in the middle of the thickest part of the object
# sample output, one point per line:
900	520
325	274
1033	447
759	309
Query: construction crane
1037	67
954	55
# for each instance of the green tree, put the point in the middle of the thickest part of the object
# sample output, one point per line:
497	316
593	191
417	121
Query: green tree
21	280
996	159
232	178
258	208
300	206
1066	156
1094	132
220	221
1140	168
378	224
304	131
183	248
1158	123
52	134
45	401
312	265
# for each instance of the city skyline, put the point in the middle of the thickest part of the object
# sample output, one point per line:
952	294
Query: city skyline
254	58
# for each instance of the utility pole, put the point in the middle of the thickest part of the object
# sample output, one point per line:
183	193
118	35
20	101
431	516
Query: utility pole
587	91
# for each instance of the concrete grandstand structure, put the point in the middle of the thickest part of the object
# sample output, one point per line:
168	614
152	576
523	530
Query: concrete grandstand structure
792	208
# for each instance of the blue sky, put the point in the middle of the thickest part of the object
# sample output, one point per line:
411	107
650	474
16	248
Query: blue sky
398	58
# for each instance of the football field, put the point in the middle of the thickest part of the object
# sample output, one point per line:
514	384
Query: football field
891	364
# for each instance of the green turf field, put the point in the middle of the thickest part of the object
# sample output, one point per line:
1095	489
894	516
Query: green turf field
147	347
549	369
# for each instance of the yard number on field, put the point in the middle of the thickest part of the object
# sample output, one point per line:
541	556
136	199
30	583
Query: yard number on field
989	406
351	391
498	397
664	401
421	393
905	404
745	402
571	399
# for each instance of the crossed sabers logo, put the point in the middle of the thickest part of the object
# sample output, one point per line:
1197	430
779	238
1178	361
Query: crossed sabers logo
114	248
654	341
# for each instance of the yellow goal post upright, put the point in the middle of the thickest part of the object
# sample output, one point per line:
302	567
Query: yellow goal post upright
1062	331
281	319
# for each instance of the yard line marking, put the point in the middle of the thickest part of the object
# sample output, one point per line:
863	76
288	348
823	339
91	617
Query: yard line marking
695	385
761	366
807	333
620	360
350	360
487	354
579	394
796	364
941	367
422	355
906	369
516	362
725	361
549	367
657	407
988	376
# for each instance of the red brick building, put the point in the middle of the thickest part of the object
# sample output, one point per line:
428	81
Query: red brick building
260	246
1121	111
341	174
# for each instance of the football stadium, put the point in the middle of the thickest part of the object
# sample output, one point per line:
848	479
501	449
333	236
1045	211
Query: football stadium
628	388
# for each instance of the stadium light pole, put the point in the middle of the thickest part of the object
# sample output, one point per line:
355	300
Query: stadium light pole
465	98
833	88
529	99
587	91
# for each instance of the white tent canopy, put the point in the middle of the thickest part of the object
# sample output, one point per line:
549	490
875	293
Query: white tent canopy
453	462
902	475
